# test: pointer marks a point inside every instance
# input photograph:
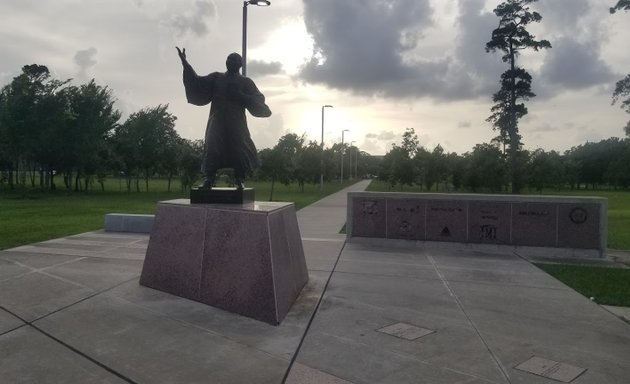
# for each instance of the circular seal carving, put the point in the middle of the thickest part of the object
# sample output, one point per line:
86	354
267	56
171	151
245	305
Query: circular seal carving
578	215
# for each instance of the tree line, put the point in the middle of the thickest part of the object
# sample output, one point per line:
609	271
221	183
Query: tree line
604	164
54	133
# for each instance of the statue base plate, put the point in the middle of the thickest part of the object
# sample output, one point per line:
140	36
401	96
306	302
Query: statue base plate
222	196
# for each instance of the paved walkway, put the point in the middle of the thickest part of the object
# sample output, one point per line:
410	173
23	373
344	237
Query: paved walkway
72	311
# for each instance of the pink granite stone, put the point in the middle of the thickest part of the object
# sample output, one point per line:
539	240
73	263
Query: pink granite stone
534	224
244	259
578	226
237	271
177	230
287	287
406	219
446	220
488	222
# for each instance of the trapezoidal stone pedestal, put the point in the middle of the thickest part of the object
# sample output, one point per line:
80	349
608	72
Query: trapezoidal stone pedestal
246	259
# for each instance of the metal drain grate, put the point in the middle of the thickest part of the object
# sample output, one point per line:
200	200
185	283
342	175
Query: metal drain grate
550	369
405	331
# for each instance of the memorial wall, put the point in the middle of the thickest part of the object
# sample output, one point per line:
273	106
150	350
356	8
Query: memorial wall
578	223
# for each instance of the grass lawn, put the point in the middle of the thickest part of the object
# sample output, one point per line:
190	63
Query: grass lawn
39	216
608	286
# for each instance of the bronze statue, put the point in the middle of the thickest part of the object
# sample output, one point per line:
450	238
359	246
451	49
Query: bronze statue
228	143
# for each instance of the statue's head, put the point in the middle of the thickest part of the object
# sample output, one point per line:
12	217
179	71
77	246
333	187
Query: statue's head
234	62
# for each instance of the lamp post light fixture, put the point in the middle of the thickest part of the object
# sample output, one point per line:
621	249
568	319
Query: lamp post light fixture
321	165
260	3
342	152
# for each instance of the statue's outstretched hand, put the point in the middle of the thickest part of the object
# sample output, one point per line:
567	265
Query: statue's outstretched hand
182	54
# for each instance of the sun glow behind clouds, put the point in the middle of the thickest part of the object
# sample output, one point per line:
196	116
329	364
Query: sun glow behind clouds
289	43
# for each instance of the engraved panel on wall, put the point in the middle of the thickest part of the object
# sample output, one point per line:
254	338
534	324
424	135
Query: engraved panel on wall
405	219
578	226
446	220
489	222
534	224
368	217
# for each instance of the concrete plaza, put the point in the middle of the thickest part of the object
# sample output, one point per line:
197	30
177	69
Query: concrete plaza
72	311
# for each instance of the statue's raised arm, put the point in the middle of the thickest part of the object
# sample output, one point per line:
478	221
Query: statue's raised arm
182	54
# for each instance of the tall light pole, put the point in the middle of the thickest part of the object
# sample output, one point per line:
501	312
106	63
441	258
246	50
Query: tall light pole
356	163
351	144
321	164
342	152
260	3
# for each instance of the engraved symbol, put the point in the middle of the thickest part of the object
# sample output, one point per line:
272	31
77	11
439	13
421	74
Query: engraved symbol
488	232
405	227
578	215
445	232
370	207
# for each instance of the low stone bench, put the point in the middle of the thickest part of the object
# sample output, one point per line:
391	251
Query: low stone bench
127	222
553	226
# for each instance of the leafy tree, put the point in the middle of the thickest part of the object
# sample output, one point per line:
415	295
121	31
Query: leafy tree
144	140
621	5
398	168
308	165
27	114
410	142
618	172
511	37
485	168
279	163
92	120
622	93
544	169
438	167
400	164
190	157
273	166
594	160
456	169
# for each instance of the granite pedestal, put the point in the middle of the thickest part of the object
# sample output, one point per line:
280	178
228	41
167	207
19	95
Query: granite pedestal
246	259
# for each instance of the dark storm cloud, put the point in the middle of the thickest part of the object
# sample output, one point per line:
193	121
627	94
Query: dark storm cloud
574	65
195	20
263	68
376	47
360	46
575	60
562	16
475	30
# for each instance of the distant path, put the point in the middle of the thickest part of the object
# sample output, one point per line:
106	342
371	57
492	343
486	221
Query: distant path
324	218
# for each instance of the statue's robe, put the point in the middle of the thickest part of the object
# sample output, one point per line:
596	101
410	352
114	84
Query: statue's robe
228	143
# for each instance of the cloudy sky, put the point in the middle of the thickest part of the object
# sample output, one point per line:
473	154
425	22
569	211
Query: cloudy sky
385	65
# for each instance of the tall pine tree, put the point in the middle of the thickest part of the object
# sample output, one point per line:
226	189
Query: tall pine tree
622	88
511	37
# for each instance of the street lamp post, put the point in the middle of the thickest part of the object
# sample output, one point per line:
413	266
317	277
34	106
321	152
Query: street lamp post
342	152
356	163
321	164
351	144
260	3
